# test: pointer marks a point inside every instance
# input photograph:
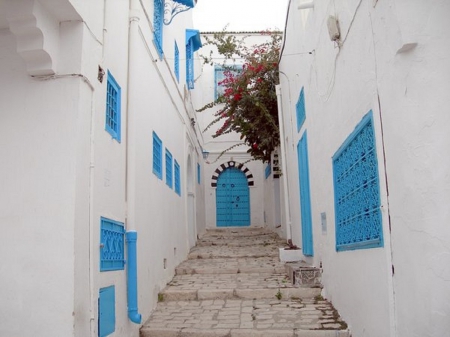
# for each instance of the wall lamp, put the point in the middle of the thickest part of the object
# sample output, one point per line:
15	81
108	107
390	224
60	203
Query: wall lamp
205	154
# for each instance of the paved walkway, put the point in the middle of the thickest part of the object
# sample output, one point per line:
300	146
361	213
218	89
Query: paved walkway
233	285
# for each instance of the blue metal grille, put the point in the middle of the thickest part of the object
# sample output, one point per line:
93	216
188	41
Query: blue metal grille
177	62
112	124
232	199
190	64
158	19
300	109
169	169
268	171
106	311
357	191
111	245
157	156
177	178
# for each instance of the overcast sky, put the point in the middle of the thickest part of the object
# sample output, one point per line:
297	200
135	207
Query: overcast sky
241	15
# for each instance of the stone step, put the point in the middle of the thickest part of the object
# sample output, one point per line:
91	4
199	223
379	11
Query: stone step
243	317
209	252
246	285
243	242
267	265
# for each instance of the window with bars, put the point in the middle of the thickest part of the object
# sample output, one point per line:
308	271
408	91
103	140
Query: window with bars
169	169
177	62
220	75
111	245
112	123
177	178
158	18
300	110
157	156
357	190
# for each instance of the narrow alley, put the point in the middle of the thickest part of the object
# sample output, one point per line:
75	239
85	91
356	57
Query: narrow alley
233	284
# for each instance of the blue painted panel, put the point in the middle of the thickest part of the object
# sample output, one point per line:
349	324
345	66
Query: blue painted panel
169	169
157	156
177	178
177	62
106	311
300	110
357	191
305	197
111	245
232	199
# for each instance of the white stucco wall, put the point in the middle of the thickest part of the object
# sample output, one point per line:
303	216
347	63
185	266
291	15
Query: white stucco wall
405	90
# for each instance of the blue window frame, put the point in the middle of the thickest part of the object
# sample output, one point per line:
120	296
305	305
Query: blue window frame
219	76
177	62
158	19
300	110
177	178
106	311
157	156
169	169
198	173
268	170
357	191
111	245
112	123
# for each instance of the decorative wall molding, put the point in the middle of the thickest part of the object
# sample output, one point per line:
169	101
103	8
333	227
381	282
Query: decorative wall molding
232	163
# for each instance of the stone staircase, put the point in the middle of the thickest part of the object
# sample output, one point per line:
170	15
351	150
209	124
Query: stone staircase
233	285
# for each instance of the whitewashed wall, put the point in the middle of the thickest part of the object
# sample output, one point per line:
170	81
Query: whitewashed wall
376	68
62	171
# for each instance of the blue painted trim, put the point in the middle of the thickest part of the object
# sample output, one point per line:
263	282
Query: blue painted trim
189	3
177	63
305	196
300	109
106	311
268	171
132	290
194	35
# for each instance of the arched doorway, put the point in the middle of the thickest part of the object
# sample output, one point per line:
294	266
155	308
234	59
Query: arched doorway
232	198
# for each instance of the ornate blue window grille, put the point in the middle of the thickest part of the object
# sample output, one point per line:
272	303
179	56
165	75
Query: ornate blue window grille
190	64
157	156
177	178
268	170
106	311
357	190
112	125
300	110
169	169
158	19
177	62
111	245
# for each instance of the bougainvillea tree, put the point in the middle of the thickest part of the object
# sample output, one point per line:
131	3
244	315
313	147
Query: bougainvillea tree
248	104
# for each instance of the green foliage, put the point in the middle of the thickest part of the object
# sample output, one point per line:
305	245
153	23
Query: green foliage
249	103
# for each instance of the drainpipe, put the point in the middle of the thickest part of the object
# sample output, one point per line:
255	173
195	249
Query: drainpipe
283	164
131	234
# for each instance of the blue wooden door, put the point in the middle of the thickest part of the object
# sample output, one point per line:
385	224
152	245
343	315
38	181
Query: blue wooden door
232	199
305	197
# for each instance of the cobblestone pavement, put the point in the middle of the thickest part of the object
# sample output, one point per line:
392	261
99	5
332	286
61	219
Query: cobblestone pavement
233	285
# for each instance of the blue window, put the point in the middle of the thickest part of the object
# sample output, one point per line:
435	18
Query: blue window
300	110
193	43
198	173
112	124
177	62
157	156
357	191
169	169
177	178
106	311
219	76
268	170
111	245
158	18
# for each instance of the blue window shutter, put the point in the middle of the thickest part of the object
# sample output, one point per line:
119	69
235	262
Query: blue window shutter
113	106
177	178
300	110
189	65
169	169
268	170
177	62
356	190
157	156
158	20
112	255
198	173
106	311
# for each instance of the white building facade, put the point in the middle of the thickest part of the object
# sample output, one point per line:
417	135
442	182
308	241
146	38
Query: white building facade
363	96
99	149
